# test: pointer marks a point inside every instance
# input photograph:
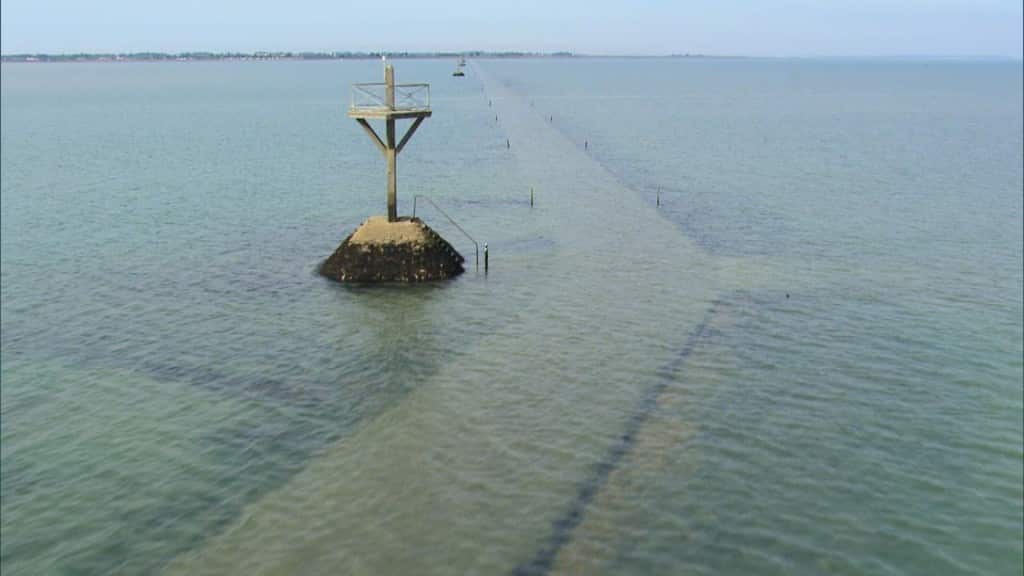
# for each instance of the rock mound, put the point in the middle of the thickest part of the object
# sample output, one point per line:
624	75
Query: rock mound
403	251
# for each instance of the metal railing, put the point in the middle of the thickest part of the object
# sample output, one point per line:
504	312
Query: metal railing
454	223
407	96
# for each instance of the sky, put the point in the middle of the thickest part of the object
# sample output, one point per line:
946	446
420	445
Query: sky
802	28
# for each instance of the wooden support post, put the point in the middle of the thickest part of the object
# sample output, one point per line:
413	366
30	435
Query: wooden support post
389	86
389	142
392	154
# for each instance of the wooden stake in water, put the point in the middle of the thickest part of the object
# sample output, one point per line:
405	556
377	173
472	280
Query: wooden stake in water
659	196
531	196
485	257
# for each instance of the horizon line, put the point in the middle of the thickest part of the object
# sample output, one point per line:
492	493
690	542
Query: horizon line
359	54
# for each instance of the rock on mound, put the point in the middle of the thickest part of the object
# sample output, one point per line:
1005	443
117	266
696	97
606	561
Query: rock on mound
403	251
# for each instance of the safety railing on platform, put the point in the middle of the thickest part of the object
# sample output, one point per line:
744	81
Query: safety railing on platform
407	96
454	223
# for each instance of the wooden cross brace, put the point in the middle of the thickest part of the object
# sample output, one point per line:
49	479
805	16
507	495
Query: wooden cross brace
390	151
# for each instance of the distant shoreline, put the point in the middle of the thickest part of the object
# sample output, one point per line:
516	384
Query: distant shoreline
257	56
244	56
42	58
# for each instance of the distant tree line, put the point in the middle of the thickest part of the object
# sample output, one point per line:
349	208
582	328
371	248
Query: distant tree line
189	56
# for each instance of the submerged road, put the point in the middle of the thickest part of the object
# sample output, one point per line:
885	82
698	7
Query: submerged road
521	454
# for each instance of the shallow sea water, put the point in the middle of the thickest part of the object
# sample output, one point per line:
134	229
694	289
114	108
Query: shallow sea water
806	359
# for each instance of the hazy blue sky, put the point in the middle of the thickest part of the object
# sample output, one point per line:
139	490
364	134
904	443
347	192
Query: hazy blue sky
783	28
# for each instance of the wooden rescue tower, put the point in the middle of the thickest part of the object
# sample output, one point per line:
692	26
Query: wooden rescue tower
390	102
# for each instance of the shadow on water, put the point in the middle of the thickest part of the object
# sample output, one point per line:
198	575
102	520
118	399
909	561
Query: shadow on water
391	344
710	218
292	394
564	525
489	203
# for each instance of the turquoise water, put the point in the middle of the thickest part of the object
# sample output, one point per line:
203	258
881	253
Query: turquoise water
767	319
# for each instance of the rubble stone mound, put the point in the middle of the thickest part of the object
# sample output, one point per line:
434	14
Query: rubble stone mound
406	250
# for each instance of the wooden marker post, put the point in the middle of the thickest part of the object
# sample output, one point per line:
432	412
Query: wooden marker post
389	111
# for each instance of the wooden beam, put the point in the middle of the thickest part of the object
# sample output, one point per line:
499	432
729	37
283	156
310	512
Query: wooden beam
373	135
408	134
391	155
381	112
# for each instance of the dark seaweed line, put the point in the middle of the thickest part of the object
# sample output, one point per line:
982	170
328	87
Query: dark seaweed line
563	526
